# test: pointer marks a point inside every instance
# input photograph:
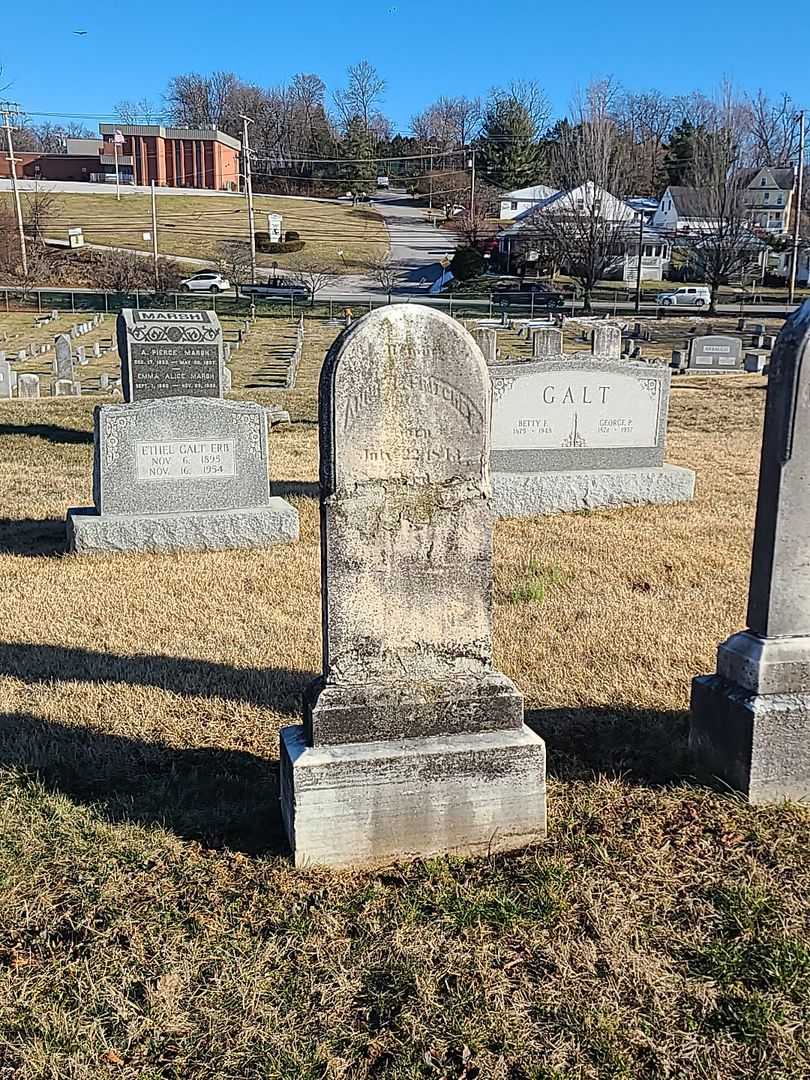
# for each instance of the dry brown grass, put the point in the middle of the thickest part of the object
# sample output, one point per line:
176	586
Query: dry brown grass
150	925
195	226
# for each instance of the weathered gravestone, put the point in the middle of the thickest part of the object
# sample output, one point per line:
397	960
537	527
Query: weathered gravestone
718	352
578	432
180	474
28	386
606	341
487	338
547	341
63	360
6	379
750	722
412	743
170	354
755	363
66	388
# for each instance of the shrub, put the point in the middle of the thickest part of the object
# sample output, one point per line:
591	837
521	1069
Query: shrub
291	236
468	262
264	244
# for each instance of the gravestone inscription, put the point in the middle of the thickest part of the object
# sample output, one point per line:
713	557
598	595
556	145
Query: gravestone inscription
170	354
412	743
718	352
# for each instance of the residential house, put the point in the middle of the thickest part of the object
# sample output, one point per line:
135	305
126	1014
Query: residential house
769	197
520	243
516	203
683	210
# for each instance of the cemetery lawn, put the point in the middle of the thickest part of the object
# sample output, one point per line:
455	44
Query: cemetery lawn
151	925
196	226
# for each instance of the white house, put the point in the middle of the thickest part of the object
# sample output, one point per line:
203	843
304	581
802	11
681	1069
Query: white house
523	236
683	209
768	198
515	203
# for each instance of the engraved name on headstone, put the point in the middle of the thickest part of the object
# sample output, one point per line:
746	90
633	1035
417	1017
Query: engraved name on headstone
718	352
170	354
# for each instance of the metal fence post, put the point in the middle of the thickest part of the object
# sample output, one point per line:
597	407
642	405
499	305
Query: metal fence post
72	303
137	300
106	302
39	301
451	307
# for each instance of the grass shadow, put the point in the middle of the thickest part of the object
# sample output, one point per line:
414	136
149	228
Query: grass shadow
219	798
52	432
645	746
32	537
303	489
279	689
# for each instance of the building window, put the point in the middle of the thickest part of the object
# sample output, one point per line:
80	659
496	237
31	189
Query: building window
767	196
514	206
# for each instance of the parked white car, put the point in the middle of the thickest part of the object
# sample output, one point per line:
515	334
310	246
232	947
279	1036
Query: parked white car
206	281
690	295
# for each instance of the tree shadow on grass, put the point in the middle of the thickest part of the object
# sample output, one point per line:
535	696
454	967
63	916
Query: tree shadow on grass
32	537
52	432
279	689
645	746
220	798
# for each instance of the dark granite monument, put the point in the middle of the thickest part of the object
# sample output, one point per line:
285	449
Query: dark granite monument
715	353
750	722
412	744
170	354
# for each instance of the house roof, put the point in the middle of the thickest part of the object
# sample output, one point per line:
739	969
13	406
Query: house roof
691	202
783	178
645	203
535	193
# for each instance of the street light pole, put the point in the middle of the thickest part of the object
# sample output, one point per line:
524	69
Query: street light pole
249	193
472	181
797	225
7	109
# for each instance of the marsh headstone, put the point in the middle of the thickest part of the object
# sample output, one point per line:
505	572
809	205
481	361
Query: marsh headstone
750	722
579	432
607	341
176	474
547	341
63	361
715	353
412	743
28	386
170	354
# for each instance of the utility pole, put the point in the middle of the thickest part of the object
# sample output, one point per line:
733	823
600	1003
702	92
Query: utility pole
638	268
7	109
797	225
155	238
472	181
430	182
249	193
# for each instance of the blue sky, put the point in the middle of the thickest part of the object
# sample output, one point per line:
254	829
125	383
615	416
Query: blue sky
422	49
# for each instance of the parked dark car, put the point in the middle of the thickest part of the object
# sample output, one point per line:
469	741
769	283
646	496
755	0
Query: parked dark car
276	291
521	294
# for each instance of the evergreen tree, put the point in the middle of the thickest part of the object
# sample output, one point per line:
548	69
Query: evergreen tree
359	144
510	152
679	162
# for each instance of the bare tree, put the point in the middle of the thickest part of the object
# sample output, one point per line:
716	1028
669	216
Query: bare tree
448	123
233	259
774	133
203	101
647	119
723	247
585	229
142	111
384	272
315	276
40	206
361	96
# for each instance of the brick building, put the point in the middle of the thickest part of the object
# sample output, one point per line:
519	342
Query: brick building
172	157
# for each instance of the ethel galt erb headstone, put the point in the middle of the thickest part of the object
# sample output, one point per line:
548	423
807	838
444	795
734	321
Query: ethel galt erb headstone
750	722
413	743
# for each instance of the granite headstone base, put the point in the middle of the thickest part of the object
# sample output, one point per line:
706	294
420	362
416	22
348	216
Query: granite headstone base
531	494
750	721
206	530
338	713
367	804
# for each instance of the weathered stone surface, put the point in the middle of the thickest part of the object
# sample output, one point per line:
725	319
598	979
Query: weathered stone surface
715	352
535	494
750	723
227	380
371	803
63	361
66	388
487	338
256	527
28	386
170	354
755	363
180	455
6	384
578	412
408	686
607	341
547	341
